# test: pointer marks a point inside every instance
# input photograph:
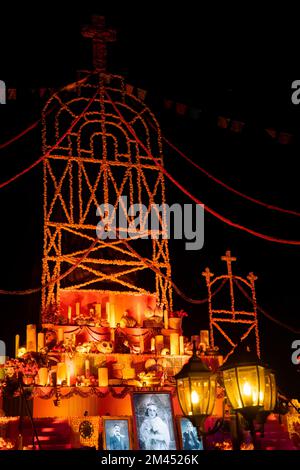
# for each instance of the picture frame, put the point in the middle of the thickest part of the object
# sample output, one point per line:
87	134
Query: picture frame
187	433
154	422
117	433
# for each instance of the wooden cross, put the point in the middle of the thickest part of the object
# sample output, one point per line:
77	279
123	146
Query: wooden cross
252	278
100	37
228	258
207	274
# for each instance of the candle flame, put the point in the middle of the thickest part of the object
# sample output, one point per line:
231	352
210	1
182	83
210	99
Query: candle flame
194	397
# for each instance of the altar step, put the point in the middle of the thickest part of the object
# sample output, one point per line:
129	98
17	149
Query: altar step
275	437
53	434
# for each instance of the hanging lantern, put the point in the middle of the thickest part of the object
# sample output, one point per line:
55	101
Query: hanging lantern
270	390
196	390
250	386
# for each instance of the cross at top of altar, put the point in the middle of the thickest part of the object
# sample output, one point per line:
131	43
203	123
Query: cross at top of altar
100	36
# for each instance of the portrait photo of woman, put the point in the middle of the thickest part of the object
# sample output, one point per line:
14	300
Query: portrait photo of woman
154	421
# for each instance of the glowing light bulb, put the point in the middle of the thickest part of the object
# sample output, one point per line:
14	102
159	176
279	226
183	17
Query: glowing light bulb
247	389
194	397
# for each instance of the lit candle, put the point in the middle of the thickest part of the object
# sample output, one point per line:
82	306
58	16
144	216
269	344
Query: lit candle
112	316
61	372
77	307
142	344
107	309
139	315
166	319
17	345
174	344
159	343
73	339
112	335
103	377
43	376
87	368
98	311
181	345
41	341
31	338
204	337
71	373
152	347
69	314
60	335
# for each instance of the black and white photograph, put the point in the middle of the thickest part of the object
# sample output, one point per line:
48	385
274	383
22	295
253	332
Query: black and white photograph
189	439
116	433
154	421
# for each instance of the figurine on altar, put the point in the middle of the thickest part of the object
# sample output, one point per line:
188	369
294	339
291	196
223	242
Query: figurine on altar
127	321
154	317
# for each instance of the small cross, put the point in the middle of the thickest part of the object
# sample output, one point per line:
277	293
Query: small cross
100	37
228	258
207	274
252	278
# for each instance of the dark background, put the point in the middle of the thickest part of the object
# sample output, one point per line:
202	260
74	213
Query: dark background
190	58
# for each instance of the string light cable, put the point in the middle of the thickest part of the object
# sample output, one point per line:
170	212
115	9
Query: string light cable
225	185
32	126
195	199
47	154
263	312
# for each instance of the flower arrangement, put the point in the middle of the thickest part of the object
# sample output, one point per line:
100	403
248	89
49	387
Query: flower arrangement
178	314
27	367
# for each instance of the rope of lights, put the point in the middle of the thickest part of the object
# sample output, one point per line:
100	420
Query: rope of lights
46	155
195	199
227	186
32	126
54	280
266	314
177	290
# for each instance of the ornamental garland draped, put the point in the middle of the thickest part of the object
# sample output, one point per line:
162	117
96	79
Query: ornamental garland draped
195	199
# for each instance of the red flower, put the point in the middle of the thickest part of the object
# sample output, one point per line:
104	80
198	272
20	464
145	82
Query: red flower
178	314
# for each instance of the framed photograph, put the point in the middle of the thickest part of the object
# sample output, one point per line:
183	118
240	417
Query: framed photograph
188	437
117	433
154	421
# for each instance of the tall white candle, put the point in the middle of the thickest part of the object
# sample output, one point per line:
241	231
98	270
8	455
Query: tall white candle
112	335
159	343
103	377
152	346
174	344
31	338
69	314
41	341
43	376
204	337
139	314
87	368
17	345
61	372
60	335
112	316
166	319
181	345
107	309
77	307
98	311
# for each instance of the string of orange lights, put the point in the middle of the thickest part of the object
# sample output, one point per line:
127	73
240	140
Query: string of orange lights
227	186
46	155
195	199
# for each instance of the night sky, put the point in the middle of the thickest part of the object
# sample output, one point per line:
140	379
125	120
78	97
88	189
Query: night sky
176	57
